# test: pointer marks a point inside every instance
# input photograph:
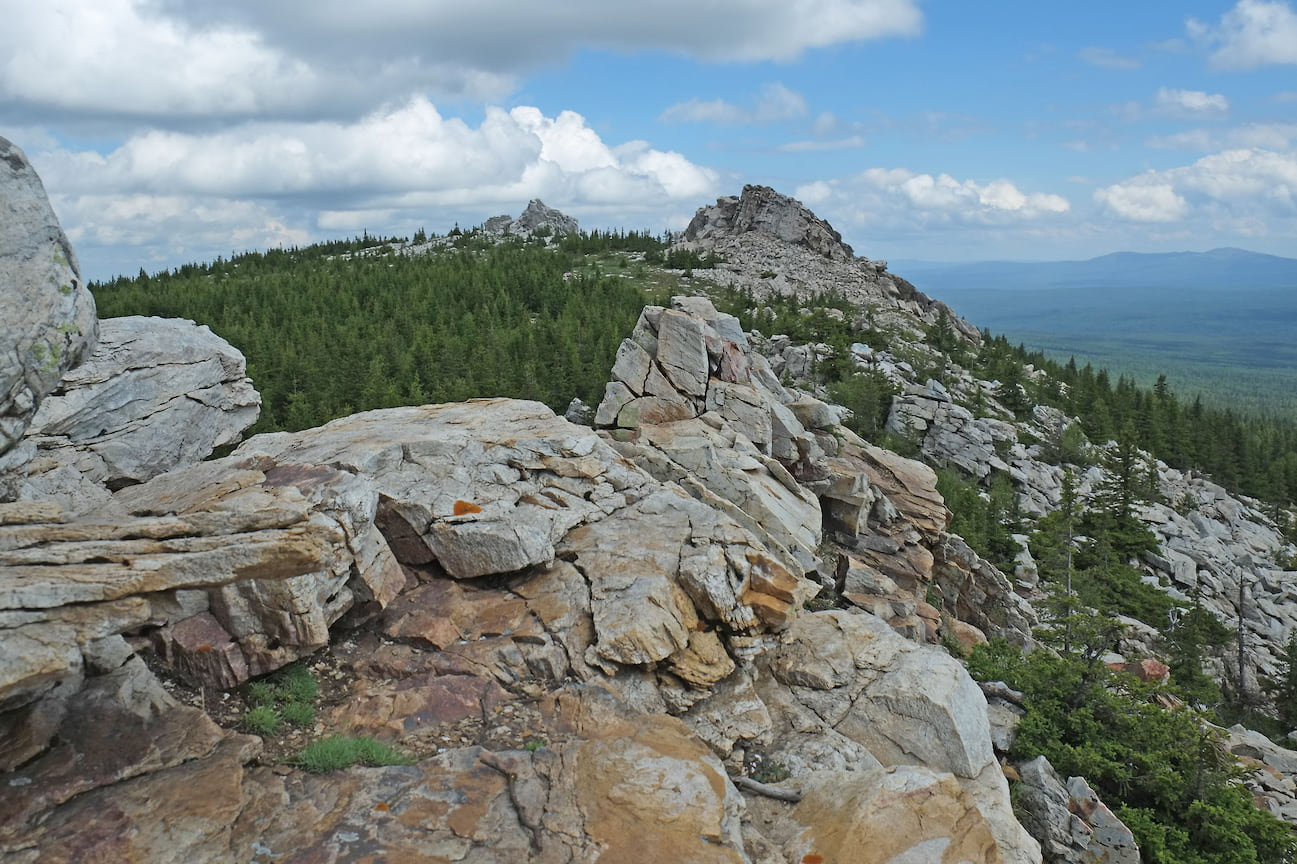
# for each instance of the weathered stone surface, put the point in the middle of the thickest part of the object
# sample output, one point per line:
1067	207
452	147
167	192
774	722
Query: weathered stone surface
486	486
276	552
537	216
154	395
667	569
49	324
890	815
201	798
1071	823
907	705
682	352
773	502
120	725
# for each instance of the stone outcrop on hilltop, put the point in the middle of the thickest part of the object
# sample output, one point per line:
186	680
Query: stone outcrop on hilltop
49	323
700	630
769	243
537	217
483	576
762	209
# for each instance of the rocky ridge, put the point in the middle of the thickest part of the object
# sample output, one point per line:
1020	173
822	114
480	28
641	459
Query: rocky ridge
629	602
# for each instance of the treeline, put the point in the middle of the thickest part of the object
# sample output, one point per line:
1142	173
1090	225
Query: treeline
326	336
1253	455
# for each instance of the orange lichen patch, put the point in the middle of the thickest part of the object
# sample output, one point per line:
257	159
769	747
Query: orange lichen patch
812	859
463	508
382	807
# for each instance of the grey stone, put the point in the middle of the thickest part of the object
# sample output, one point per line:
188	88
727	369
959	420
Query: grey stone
49	324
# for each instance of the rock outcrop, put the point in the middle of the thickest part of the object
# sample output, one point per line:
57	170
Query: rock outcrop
762	209
155	394
49	323
536	220
1073	825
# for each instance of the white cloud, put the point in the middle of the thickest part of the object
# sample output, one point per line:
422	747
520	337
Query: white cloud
1286	96
1267	136
1191	101
294	58
1253	33
1143	201
121	56
775	103
1106	58
259	184
1248	186
898	195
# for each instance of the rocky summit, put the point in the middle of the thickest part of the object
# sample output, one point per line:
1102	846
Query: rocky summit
712	625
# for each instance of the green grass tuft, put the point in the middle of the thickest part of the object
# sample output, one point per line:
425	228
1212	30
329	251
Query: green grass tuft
262	720
337	752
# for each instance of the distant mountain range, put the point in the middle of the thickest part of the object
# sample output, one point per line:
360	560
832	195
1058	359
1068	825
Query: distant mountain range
1220	268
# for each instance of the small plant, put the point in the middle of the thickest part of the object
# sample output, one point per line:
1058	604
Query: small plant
260	693
296	683
771	772
299	714
533	745
337	752
263	720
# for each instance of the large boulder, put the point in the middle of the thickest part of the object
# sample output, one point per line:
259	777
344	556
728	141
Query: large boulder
49	323
155	394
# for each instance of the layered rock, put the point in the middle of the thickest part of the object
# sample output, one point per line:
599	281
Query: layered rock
231	568
690	403
1073	825
769	244
49	323
629	603
154	395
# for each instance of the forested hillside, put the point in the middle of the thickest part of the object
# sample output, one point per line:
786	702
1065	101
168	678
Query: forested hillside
337	328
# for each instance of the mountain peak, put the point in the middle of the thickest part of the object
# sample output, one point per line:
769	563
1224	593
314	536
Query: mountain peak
762	209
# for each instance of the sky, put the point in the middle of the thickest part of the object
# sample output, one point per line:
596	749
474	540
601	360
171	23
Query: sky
169	131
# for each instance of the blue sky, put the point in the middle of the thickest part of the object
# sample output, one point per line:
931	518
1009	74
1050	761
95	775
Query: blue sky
175	130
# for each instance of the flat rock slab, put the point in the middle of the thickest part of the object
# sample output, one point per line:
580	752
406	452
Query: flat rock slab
481	487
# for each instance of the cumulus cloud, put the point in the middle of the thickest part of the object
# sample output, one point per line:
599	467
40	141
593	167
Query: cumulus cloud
1143	200
1248	186
774	104
122	56
192	58
1191	101
260	183
1253	33
401	151
1106	58
899	195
